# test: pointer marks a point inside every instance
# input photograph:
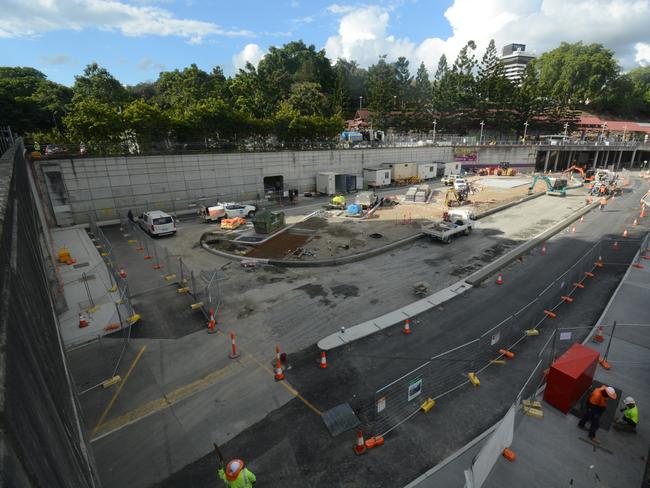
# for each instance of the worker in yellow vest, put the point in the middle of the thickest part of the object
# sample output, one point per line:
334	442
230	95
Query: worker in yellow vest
630	417
236	475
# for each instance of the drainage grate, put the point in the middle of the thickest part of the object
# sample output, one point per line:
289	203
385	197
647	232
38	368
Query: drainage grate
80	265
340	419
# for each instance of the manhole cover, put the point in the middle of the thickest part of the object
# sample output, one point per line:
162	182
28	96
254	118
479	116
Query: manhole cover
340	419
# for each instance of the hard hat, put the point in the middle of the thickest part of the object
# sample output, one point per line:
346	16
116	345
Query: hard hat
233	468
629	401
611	392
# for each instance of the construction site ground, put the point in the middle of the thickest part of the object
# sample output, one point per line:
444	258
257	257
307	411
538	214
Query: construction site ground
183	393
333	234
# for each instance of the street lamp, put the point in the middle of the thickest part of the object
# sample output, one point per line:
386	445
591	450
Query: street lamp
480	139
566	130
394	102
435	122
525	130
624	132
360	102
602	131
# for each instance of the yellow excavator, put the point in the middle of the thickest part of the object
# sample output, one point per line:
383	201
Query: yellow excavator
456	198
556	188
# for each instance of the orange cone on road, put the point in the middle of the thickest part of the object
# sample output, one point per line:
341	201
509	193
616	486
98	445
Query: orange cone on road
83	321
360	447
635	222
499	280
573	229
122	273
407	327
279	374
599	263
615	246
625	233
212	323
599	337
233	347
323	360
582	219
543	251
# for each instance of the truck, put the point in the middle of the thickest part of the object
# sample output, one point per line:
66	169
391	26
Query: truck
454	222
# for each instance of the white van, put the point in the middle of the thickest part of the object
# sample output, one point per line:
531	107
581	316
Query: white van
460	184
157	223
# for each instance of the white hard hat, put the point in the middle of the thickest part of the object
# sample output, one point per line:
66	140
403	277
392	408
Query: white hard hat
629	400
611	392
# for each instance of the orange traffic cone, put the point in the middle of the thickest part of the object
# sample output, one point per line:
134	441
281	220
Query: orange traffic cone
573	229
543	251
642	213
625	233
279	374
599	263
233	347
599	337
212	323
323	360
582	219
83	321
407	327
122	273
277	352
499	280
360	447
635	223
615	246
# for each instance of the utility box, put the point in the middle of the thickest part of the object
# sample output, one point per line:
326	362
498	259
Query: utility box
570	376
326	183
453	168
377	177
402	171
267	222
427	171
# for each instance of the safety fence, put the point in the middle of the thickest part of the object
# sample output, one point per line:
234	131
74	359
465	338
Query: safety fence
450	370
203	288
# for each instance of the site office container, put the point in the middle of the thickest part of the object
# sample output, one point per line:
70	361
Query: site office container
330	183
377	177
402	171
345	183
452	168
427	171
326	183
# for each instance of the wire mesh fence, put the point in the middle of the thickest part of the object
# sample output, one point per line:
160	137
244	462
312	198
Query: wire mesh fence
401	399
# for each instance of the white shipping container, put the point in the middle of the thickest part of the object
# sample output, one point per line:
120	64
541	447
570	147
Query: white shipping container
326	183
452	168
402	171
376	177
427	171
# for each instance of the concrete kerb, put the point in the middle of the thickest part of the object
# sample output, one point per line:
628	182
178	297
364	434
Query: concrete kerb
371	326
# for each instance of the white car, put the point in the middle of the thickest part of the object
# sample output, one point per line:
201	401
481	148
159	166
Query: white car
239	210
460	184
157	223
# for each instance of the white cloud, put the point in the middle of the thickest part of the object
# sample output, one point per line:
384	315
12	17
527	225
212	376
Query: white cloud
30	18
147	64
56	60
621	25
642	55
251	53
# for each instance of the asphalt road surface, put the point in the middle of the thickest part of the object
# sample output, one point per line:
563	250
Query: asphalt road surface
292	447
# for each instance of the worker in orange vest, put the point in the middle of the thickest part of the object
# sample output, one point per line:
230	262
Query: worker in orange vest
595	408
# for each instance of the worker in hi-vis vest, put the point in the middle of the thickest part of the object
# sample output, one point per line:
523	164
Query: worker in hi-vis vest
236	475
630	417
595	408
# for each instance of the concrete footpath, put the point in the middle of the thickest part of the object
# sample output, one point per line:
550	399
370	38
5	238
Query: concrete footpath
551	452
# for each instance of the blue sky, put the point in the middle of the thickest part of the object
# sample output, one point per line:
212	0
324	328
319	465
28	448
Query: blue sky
135	39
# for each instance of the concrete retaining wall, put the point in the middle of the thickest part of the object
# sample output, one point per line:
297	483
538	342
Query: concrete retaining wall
110	186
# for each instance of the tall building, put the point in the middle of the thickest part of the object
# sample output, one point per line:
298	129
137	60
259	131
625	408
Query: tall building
514	59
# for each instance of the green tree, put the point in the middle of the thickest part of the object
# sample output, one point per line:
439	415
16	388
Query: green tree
307	98
341	95
577	75
182	88
462	74
97	83
356	80
146	122
422	89
382	87
403	83
94	123
493	91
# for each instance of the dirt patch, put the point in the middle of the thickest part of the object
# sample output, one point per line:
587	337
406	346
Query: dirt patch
313	290
345	291
313	223
279	246
341	230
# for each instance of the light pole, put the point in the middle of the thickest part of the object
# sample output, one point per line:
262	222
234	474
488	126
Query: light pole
394	102
624	132
602	131
480	138
435	122
525	130
566	130
360	102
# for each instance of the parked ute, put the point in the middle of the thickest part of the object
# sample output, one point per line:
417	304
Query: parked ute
239	210
449	179
157	223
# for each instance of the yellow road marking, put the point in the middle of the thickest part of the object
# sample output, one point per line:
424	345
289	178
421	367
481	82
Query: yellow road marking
170	398
118	391
288	386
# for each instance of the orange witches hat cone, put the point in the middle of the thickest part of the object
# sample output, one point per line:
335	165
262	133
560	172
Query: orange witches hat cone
573	229
233	347
360	446
599	337
212	323
543	251
122	273
635	223
615	246
499	280
407	327
279	374
323	360
582	219
83	322
625	233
